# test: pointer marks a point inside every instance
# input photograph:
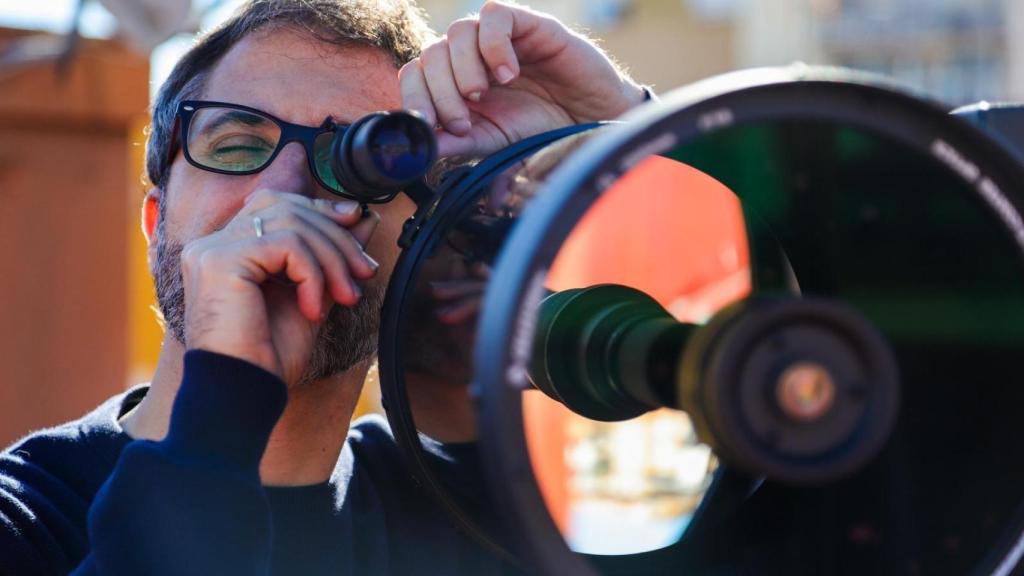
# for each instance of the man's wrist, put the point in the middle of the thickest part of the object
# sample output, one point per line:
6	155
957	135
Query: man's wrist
225	409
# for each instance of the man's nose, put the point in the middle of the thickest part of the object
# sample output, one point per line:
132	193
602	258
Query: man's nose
289	172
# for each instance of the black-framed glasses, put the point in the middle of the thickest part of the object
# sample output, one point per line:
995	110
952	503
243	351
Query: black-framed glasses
233	139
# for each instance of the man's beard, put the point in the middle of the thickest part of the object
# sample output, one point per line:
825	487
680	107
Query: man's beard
347	337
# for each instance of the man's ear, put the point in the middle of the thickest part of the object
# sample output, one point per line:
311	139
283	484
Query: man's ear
150	216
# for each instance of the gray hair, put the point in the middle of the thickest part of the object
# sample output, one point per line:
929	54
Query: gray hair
397	27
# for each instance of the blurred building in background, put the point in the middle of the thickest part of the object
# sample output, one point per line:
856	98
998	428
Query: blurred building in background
73	272
958	51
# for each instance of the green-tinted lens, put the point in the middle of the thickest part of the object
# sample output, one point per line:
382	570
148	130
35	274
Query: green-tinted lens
231	140
322	160
884	227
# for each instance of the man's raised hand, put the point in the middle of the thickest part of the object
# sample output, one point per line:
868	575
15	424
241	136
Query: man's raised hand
508	73
261	297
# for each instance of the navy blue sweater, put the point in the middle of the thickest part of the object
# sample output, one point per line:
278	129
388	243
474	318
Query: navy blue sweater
85	498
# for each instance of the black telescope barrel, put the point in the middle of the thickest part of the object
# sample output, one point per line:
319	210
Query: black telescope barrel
607	352
803	390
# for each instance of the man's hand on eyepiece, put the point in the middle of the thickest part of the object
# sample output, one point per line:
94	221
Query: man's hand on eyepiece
258	288
509	73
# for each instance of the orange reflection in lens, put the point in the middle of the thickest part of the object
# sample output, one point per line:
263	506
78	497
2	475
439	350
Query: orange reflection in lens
678	235
667	229
546	424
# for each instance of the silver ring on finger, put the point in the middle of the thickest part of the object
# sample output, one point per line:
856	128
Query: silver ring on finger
257	224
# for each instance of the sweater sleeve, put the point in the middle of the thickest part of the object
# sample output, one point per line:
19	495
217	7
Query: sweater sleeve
193	503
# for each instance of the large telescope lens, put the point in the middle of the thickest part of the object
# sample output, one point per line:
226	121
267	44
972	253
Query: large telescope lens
772	327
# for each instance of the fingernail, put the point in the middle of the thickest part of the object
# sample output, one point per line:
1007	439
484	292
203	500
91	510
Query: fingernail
355	288
474	96
346	207
504	74
460	126
369	260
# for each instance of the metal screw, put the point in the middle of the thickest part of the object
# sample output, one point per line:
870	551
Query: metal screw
805	391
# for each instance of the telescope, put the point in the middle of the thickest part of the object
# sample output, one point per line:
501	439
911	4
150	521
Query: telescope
772	324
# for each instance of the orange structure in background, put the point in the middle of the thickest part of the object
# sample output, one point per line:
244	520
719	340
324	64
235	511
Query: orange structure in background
666	229
69	191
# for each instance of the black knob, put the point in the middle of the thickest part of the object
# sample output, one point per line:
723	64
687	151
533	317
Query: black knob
801	390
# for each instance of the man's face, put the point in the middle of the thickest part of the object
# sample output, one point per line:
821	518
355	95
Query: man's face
303	81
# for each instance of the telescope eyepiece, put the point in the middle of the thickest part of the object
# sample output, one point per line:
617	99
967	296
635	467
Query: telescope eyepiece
383	153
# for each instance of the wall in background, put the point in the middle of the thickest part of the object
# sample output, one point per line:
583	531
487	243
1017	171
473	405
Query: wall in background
69	194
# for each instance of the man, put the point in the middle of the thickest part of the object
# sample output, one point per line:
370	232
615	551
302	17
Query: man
235	460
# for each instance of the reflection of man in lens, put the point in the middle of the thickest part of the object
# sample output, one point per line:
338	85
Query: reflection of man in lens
441	326
235	459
